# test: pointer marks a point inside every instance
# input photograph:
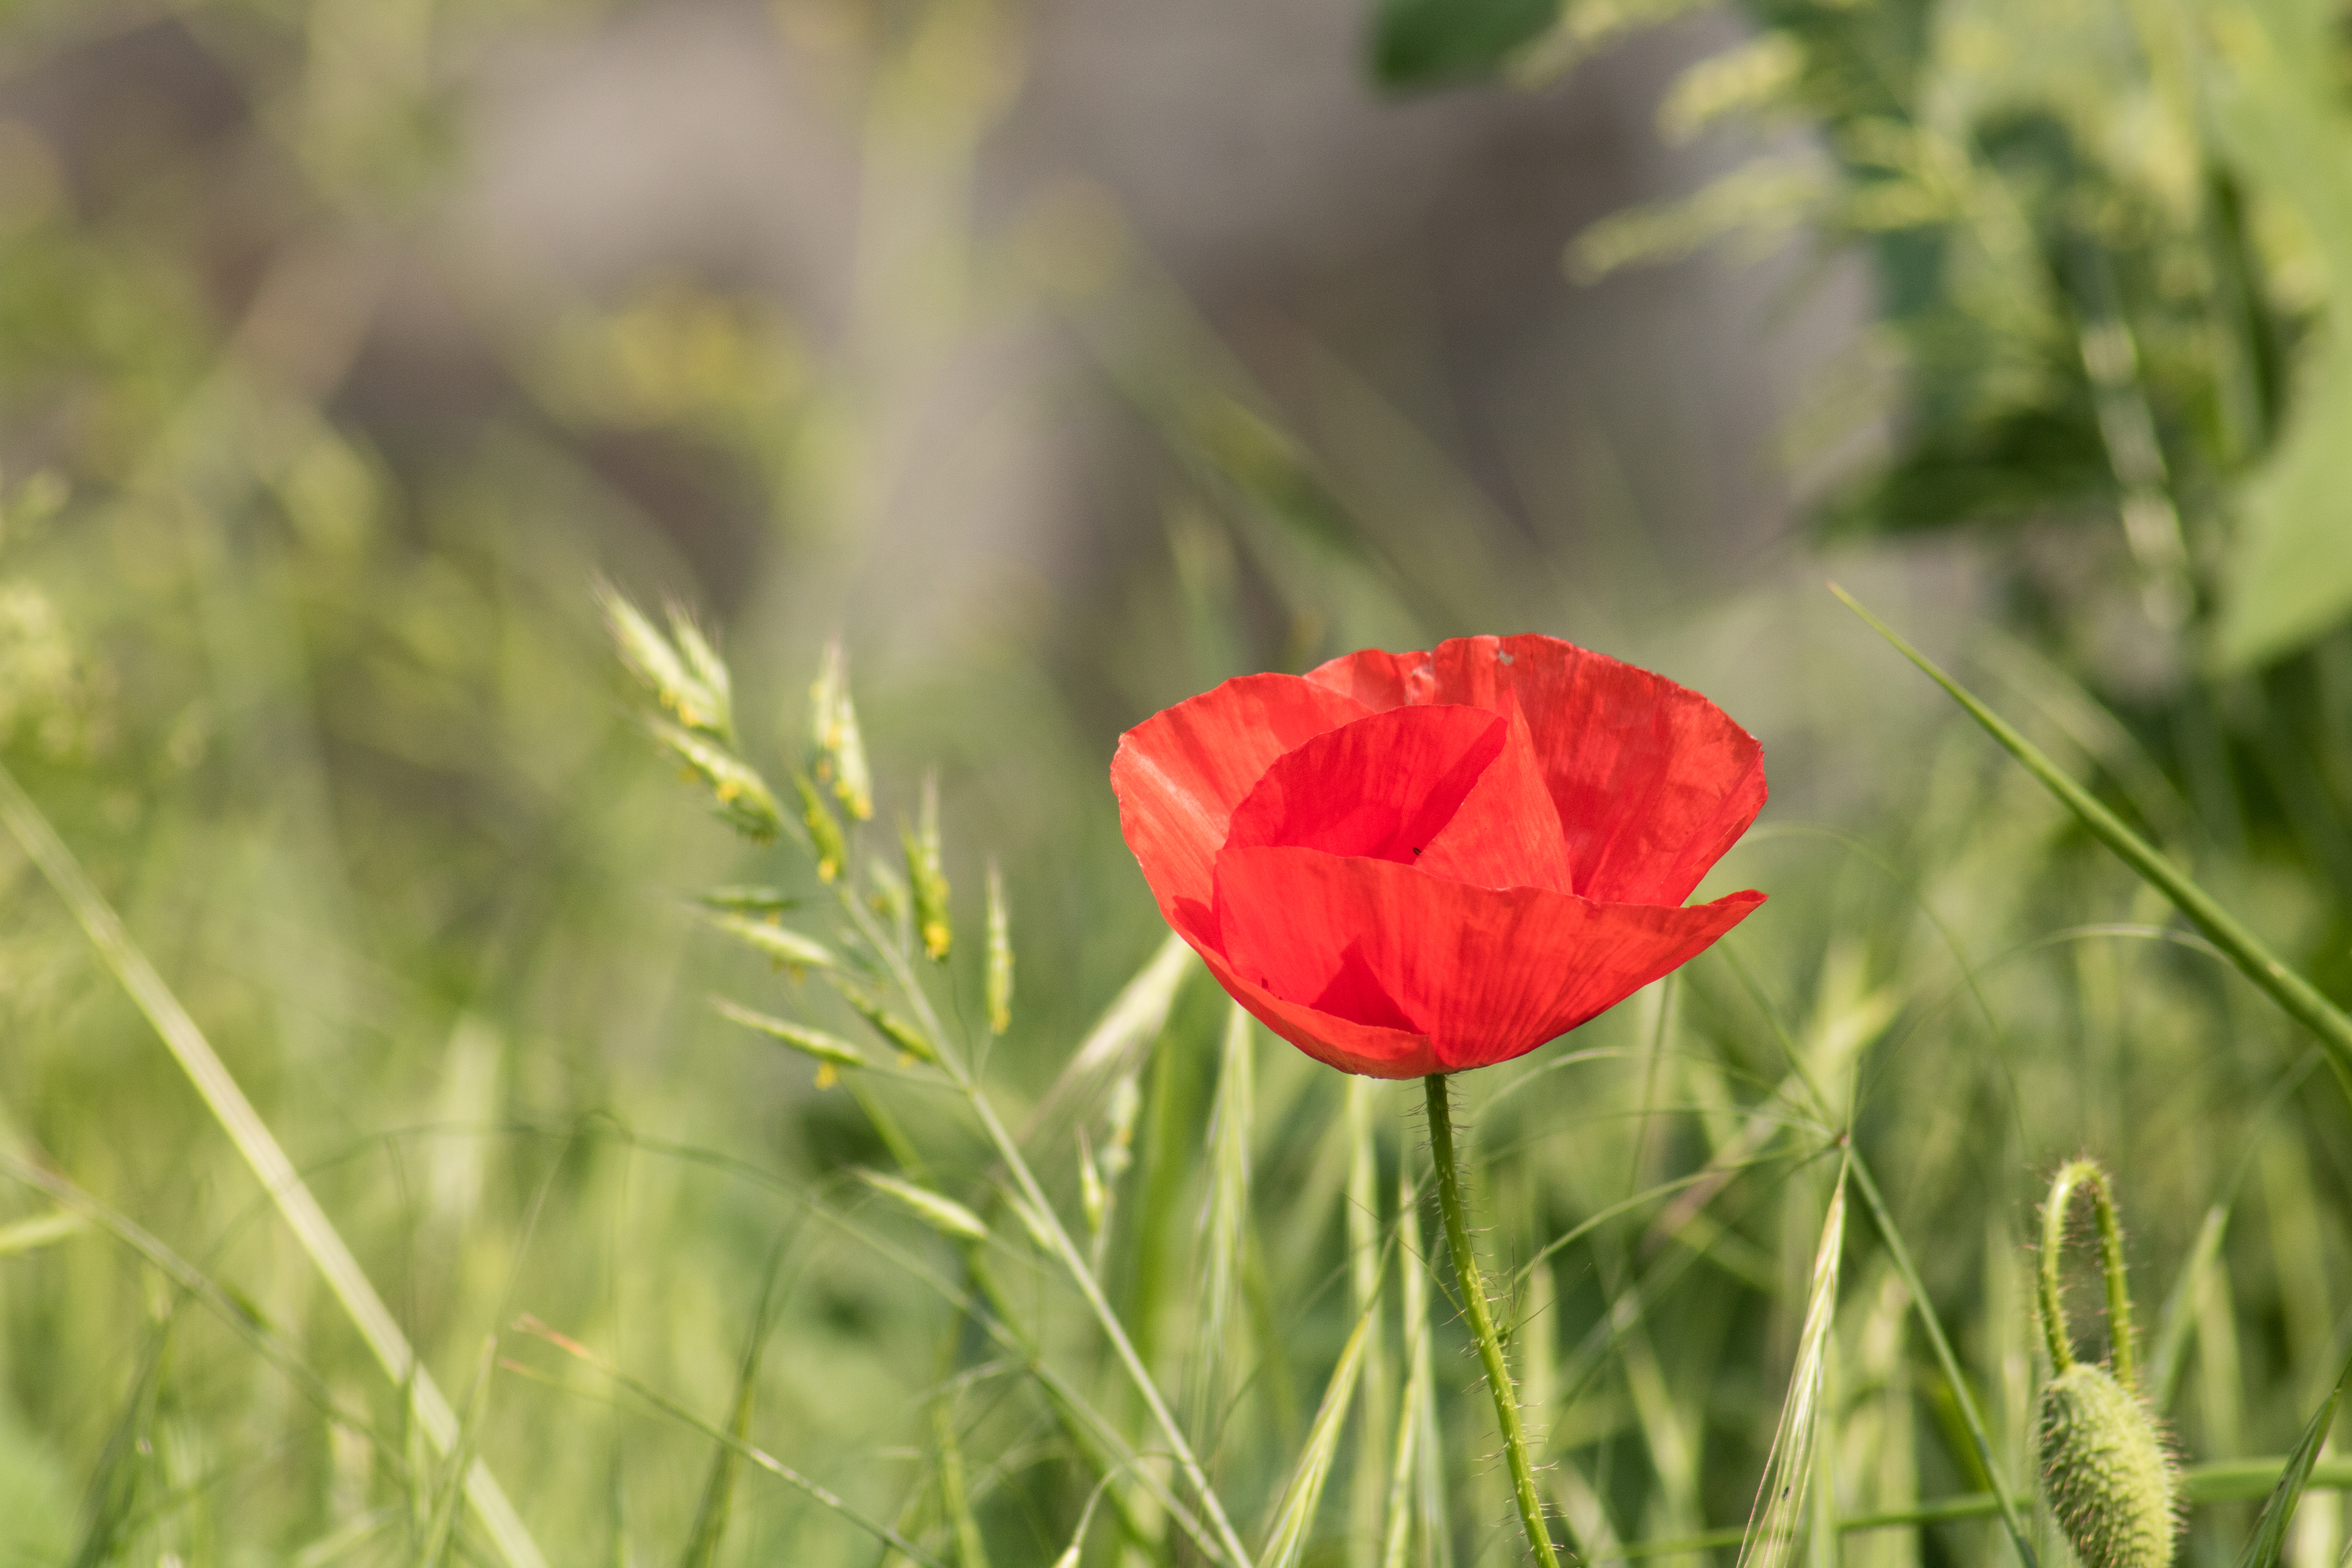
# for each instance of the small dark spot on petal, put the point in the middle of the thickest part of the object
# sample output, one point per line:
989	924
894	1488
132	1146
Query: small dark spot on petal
1416	849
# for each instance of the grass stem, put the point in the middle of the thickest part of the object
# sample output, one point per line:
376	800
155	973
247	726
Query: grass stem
2302	1000
1073	1260
1899	1256
278	1178
1482	1321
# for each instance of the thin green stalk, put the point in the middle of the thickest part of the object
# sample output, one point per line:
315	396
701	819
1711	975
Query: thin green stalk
2301	999
276	1173
2231	1480
1072	1259
2072	1179
1900	1257
758	1457
1482	1321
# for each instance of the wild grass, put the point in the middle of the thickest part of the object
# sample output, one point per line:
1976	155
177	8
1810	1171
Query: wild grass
416	1095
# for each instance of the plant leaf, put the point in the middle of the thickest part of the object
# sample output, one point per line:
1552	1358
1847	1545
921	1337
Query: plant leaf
1296	1517
2301	999
1426	43
2270	1530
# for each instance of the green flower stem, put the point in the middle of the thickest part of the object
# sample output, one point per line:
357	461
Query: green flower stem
2073	1178
1482	1321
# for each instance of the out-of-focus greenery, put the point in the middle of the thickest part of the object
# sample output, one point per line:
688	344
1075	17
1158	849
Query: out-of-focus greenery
319	695
2108	242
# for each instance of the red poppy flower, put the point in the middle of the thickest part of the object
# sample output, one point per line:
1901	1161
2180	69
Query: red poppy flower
1421	862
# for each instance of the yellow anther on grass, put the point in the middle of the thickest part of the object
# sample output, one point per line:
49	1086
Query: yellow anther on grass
825	840
925	878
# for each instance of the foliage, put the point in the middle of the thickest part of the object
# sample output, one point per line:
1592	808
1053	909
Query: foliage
318	700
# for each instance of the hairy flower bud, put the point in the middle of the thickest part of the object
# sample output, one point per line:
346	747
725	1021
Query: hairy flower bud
2111	1481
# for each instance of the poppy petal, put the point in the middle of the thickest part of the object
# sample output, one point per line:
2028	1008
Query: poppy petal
1375	1049
1179	773
1485	975
1507	833
1383	786
1381	680
1652	782
1370	1049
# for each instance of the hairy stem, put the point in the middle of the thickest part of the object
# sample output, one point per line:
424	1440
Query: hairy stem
1482	1321
2073	1178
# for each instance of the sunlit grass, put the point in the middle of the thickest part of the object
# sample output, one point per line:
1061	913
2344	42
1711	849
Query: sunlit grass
847	1168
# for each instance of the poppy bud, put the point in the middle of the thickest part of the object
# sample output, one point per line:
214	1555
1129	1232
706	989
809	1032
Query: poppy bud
2111	1481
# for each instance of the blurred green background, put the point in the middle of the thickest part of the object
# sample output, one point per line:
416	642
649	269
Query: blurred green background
1061	359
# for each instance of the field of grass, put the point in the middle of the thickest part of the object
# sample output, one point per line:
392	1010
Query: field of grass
446	1115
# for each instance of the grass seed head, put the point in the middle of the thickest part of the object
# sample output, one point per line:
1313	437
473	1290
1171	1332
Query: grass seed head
687	677
836	748
925	877
825	840
743	796
1000	955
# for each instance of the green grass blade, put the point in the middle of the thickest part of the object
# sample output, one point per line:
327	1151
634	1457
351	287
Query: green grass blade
2270	1531
42	1230
2178	1317
345	1540
276	1173
1296	1516
1225	1216
440	1535
1899	1256
1418	1492
115	1489
2232	1481
1128	1026
1367	1266
710	1515
1779	1512
2301	1000
955	1497
1404	1468
759	1459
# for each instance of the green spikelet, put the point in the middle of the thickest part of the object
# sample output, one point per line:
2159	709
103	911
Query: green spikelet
2112	1482
924	877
